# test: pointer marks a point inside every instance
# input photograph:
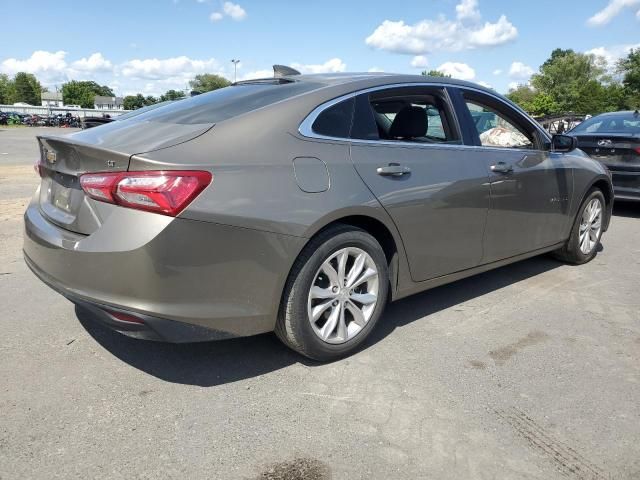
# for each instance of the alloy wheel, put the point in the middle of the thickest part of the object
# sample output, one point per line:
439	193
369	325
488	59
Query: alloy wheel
590	226
343	295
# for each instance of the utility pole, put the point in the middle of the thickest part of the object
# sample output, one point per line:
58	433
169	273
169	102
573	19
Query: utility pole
235	69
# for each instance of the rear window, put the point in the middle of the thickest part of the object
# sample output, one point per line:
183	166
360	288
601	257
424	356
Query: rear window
622	123
225	103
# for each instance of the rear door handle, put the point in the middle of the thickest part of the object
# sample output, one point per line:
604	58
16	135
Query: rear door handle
393	170
502	167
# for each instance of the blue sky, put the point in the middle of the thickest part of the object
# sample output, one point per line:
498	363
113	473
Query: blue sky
150	46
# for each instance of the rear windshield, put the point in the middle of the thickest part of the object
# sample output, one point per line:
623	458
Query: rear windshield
621	123
224	103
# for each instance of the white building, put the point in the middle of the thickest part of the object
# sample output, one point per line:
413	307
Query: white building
108	103
51	99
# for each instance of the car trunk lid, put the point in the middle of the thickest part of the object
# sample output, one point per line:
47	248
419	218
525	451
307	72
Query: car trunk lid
612	149
108	148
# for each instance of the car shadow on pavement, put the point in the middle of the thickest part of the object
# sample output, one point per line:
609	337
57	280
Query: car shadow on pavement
626	209
422	305
215	363
205	364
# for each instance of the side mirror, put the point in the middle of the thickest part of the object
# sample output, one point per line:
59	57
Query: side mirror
563	143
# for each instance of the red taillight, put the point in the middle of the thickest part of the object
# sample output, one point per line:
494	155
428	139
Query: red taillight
38	168
638	150
166	192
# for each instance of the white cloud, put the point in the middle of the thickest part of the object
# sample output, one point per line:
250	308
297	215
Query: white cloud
613	53
497	71
235	11
419	61
257	74
375	70
441	34
458	70
513	85
49	67
468	10
520	71
612	10
156	69
231	10
95	63
151	76
333	65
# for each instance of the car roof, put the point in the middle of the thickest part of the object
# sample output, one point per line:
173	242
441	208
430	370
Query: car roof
358	80
621	113
382	77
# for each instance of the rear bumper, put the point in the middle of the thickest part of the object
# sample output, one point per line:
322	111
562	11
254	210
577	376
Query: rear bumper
187	280
626	183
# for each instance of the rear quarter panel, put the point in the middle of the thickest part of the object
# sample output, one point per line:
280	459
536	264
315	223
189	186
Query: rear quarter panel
254	184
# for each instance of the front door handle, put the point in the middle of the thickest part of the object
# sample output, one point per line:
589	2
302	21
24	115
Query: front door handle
502	167
393	170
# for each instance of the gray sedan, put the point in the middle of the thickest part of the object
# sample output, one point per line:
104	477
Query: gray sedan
302	205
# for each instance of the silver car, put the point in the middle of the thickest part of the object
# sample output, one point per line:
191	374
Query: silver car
302	205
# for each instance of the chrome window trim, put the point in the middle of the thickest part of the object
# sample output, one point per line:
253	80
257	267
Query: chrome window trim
305	129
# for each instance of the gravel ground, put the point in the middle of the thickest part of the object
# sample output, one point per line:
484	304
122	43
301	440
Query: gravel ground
531	371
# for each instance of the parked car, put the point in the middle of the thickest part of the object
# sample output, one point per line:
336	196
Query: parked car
614	140
301	204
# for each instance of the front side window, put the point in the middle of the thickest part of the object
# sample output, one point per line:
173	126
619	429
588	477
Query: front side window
407	114
496	129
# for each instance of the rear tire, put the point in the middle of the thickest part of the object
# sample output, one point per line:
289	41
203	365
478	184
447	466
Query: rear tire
327	311
586	232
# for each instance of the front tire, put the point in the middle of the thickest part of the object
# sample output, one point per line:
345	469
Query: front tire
586	232
335	294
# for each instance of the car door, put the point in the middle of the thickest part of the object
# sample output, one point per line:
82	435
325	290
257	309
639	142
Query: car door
530	187
436	193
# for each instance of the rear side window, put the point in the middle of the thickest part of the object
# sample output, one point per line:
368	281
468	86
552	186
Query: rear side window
225	103
335	121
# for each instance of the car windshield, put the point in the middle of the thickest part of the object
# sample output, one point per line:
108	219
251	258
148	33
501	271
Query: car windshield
225	103
619	123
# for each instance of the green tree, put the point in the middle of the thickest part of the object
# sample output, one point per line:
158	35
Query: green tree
435	73
629	68
78	93
83	93
132	102
26	88
207	82
172	95
574	81
542	104
102	90
6	89
522	95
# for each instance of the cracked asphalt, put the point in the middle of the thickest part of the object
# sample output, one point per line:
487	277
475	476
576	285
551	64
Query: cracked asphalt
531	371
